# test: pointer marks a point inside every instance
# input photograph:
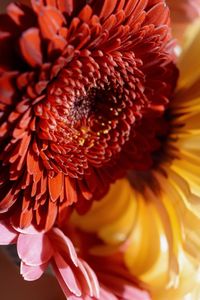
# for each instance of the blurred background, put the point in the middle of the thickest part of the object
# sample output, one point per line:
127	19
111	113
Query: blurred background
3	4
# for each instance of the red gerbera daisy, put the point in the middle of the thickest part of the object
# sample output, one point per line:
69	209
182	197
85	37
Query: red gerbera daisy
78	83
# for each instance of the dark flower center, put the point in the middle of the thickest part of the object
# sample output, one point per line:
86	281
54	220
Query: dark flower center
82	107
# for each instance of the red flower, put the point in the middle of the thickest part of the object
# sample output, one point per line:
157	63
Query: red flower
78	83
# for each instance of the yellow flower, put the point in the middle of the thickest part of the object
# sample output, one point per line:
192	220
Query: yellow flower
153	218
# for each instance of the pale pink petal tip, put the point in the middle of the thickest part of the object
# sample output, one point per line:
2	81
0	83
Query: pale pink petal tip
34	249
91	279
68	275
31	273
63	242
7	234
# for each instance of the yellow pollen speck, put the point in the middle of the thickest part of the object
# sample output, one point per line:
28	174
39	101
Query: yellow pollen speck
81	142
84	129
106	131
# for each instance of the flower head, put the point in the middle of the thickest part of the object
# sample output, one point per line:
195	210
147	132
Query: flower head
154	215
79	85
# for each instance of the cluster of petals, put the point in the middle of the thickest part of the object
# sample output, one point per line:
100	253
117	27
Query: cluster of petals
78	97
39	250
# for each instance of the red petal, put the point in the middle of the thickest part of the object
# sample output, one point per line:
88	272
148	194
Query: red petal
65	6
55	185
26	218
70	190
30	45
57	43
85	13
158	14
8	200
108	8
51	215
50	21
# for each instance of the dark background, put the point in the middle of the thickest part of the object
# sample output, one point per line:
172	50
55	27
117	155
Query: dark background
3	4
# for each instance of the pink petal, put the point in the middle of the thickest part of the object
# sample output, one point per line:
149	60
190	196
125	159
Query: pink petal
91	279
34	249
131	292
68	275
123	289
61	241
72	297
106	295
7	234
62	283
30	273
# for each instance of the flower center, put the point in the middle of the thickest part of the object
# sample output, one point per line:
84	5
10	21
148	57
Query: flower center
84	124
82	107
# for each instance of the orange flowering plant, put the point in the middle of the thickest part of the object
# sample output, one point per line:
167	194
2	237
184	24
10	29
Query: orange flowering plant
99	146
